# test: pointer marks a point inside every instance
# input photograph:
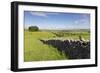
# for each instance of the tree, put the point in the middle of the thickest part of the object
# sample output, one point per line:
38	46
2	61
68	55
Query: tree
33	28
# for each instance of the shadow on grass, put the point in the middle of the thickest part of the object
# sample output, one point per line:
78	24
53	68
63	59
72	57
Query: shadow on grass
72	49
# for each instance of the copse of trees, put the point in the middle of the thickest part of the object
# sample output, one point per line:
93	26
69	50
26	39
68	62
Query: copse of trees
33	28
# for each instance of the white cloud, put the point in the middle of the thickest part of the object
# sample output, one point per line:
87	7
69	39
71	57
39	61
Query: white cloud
76	22
52	13
81	21
39	14
43	14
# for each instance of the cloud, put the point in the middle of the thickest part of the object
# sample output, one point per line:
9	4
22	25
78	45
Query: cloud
42	14
85	18
81	21
52	13
82	24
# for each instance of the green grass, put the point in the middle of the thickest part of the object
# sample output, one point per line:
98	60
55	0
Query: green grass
35	50
75	35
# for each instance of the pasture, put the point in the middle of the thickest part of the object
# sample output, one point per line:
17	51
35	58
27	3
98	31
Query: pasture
35	50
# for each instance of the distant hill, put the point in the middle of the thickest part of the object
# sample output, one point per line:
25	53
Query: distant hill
67	30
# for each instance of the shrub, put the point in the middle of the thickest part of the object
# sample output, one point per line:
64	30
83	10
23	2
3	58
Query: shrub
33	28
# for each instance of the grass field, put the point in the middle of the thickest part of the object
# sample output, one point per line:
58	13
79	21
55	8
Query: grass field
35	50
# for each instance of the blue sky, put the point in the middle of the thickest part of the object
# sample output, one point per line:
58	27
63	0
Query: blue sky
57	21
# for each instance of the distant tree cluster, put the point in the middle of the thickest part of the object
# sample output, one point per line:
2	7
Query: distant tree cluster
33	28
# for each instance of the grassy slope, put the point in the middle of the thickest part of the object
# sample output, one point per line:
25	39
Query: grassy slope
75	35
35	50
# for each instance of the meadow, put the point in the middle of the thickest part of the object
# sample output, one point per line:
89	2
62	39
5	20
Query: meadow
35	50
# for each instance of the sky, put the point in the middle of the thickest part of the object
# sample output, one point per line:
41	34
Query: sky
56	20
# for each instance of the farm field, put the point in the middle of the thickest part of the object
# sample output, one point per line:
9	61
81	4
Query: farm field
35	50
